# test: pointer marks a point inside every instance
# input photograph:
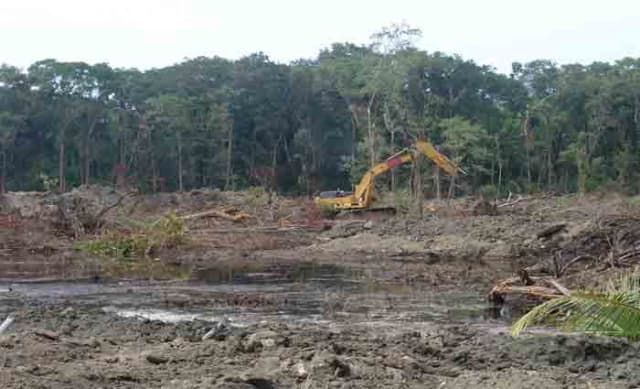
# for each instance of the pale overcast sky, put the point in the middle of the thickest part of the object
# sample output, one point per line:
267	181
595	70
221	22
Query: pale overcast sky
156	33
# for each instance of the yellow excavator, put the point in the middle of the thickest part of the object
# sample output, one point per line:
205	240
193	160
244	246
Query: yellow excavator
362	197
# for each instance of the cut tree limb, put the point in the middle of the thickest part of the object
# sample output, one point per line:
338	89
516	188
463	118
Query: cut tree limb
514	202
545	287
560	288
47	334
236	217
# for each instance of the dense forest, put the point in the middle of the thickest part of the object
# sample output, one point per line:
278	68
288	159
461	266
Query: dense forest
319	123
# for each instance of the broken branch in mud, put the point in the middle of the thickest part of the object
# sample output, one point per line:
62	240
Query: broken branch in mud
47	334
232	215
550	231
6	323
559	287
542	287
255	229
514	202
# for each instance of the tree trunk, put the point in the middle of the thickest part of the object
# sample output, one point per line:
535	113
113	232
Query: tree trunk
61	183
180	184
499	162
389	125
436	181
549	171
527	144
271	180
354	129
452	188
3	178
86	162
528	165
499	177
418	189
393	172
227	181
372	145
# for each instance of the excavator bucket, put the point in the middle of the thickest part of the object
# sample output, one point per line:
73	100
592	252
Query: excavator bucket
441	160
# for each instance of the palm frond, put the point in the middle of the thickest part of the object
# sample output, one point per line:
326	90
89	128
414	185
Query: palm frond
613	311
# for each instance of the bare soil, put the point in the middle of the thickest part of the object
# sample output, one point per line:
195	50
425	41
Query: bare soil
396	303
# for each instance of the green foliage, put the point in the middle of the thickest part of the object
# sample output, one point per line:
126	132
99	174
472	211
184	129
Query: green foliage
403	200
211	122
611	311
48	183
115	245
488	191
257	196
167	232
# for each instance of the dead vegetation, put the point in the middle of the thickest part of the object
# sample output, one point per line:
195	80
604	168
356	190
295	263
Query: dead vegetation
578	252
81	228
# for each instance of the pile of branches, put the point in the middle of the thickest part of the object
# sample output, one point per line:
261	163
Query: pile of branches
524	284
611	241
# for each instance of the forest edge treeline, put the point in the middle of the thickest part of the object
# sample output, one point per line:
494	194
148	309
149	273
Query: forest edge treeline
319	123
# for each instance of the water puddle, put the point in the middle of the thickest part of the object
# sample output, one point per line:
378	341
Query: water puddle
301	294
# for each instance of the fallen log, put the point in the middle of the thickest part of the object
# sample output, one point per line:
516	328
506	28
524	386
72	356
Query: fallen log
514	202
235	217
544	287
275	229
47	334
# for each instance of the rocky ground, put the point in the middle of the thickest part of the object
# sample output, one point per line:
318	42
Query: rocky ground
369	321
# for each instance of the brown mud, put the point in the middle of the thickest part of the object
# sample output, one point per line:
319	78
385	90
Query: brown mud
276	302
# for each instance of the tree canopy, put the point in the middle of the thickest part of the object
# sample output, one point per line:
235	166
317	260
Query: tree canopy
319	123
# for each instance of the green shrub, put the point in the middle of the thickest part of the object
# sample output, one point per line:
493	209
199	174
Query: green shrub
167	232
488	192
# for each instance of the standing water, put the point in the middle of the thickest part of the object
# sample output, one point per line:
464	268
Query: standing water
298	293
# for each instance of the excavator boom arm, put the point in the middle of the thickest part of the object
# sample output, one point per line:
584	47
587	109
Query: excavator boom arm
440	159
362	195
366	182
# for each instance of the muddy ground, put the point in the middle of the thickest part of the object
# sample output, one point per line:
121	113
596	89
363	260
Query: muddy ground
282	301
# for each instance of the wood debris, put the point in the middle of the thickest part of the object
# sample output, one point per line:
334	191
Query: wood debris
6	323
231	214
51	335
550	231
542	287
509	202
